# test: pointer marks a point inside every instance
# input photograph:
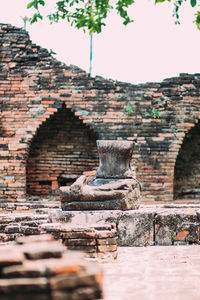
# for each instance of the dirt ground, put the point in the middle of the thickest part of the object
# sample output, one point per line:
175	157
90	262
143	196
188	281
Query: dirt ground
154	273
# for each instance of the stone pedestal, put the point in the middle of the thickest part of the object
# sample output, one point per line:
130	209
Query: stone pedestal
114	159
115	186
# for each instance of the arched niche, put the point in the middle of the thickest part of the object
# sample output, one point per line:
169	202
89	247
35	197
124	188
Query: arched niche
61	150
187	168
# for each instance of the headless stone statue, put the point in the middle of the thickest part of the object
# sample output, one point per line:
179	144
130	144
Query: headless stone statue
115	185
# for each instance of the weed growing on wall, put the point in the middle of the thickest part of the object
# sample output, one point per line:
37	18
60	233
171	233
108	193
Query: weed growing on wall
155	114
129	109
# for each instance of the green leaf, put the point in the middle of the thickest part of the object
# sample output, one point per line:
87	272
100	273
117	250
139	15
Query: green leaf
35	3
30	4
197	20
129	110
193	3
42	2
160	1
35	18
156	114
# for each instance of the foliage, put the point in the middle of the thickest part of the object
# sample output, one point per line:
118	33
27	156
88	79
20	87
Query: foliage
178	4
155	114
129	109
88	15
91	14
117	223
173	239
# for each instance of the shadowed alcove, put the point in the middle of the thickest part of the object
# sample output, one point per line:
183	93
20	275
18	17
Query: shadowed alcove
187	168
61	150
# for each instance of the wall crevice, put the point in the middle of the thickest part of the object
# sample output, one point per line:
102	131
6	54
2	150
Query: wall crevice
187	168
61	150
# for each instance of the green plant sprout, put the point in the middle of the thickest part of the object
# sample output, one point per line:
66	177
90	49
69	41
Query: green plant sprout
155	114
129	109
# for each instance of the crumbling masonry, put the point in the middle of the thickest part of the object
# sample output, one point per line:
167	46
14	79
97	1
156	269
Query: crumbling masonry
52	114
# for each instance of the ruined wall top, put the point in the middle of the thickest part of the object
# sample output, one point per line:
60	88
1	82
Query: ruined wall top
14	39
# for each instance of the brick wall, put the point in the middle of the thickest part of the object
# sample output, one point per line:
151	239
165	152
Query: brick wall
33	88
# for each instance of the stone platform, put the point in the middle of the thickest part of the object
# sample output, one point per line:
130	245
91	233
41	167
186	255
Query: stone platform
149	225
167	224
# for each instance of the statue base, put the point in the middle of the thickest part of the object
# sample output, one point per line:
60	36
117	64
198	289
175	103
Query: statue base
118	195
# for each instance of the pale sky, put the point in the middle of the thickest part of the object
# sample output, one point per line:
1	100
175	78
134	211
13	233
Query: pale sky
150	49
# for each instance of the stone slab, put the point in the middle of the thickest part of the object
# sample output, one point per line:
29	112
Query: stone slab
115	204
135	227
177	225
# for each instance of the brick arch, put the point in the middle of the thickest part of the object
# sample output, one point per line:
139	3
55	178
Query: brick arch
187	165
61	149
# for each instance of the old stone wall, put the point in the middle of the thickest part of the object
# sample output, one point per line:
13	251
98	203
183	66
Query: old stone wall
35	88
